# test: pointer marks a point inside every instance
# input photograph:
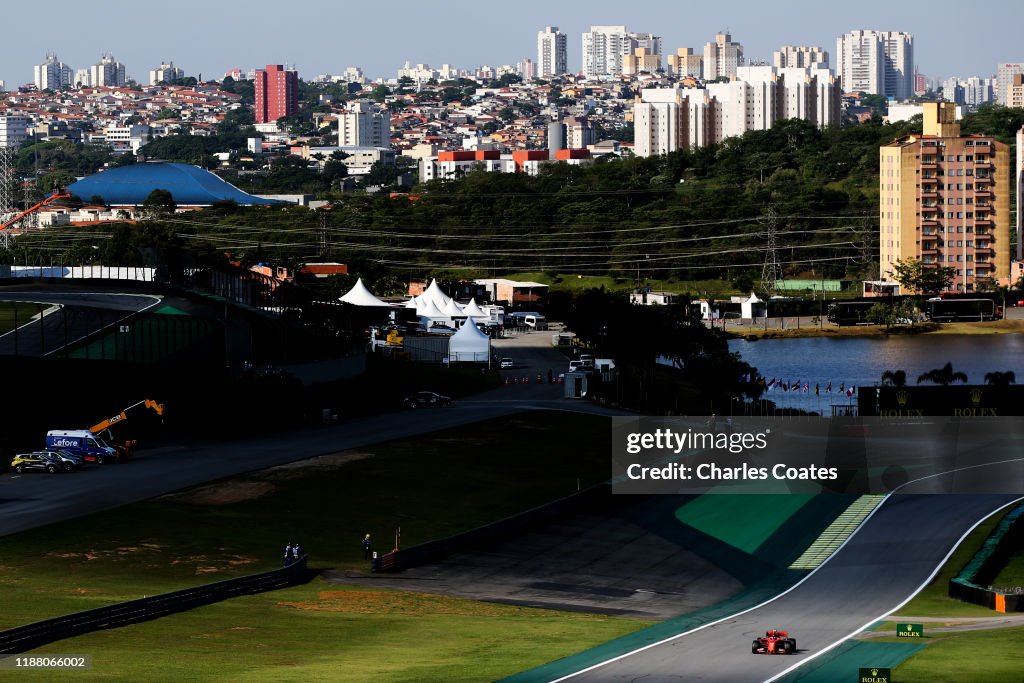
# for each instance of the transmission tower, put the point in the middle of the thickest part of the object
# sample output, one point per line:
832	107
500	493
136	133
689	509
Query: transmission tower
8	181
771	272
32	197
322	232
8	186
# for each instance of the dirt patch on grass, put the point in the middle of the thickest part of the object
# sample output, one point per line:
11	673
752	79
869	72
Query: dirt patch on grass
407	604
321	462
224	493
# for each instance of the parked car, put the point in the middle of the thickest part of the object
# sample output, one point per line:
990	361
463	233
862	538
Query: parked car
41	462
71	460
506	363
426	399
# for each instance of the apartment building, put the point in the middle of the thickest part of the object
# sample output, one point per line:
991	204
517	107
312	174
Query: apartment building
52	74
722	57
1004	80
799	56
277	93
551	53
945	199
107	72
641	61
685	64
364	125
876	62
604	48
667	119
14	130
165	73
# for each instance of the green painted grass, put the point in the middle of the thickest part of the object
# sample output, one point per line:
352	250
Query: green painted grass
842	663
995	656
742	521
321	632
934	600
431	486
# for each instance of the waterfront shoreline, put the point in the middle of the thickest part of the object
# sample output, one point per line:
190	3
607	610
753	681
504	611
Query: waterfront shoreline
805	329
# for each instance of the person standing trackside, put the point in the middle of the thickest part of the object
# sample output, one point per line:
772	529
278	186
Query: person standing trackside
288	554
367	548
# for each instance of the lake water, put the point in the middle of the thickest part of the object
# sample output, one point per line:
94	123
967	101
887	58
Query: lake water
860	361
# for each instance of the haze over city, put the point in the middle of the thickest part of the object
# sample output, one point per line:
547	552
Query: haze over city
325	37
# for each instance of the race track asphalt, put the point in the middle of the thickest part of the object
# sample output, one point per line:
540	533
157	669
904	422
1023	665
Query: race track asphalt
888	560
70	317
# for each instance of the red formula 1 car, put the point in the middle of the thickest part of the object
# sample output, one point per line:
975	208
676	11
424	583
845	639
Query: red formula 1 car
774	643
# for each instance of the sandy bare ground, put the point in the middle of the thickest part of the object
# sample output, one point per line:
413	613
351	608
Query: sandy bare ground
261	483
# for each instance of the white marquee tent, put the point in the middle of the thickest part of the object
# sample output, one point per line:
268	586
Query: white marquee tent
359	295
469	344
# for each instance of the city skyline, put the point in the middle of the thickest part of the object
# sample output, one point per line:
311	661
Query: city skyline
212	39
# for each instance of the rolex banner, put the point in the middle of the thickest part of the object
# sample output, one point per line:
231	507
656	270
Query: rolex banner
874	674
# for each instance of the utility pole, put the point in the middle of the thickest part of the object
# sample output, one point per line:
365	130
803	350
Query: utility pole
771	272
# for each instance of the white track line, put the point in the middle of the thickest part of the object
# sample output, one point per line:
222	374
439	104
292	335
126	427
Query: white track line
910	597
809	575
731	616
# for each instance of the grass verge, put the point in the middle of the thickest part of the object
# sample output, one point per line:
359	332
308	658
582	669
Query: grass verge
11	311
995	656
934	600
310	633
239	526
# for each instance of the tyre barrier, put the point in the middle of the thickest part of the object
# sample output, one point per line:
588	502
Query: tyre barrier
23	638
973	583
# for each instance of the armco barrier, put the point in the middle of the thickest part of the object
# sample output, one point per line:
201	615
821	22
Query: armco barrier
23	638
431	551
972	584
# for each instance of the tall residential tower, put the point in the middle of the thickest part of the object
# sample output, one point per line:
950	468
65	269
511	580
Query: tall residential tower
945	200
876	62
277	93
551	53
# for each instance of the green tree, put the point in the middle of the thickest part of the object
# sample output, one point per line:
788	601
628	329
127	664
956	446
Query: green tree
160	202
944	376
915	276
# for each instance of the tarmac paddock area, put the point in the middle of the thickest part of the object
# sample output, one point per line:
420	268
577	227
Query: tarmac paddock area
626	557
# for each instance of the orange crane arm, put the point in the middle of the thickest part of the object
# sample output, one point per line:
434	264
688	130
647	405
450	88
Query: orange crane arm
60	194
158	408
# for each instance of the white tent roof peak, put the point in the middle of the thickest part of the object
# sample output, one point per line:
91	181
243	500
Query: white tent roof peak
430	310
469	331
453	308
472	310
359	295
435	294
412	303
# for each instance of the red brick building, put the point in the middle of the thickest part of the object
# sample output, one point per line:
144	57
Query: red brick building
277	93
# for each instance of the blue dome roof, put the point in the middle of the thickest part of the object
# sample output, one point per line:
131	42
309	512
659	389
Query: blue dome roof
189	185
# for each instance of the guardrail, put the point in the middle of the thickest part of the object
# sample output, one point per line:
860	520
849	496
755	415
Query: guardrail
398	560
23	638
972	584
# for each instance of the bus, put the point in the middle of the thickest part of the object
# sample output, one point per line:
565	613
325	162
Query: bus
960	310
850	312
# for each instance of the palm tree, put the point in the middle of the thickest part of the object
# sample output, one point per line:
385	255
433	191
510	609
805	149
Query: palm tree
944	376
1000	379
894	378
